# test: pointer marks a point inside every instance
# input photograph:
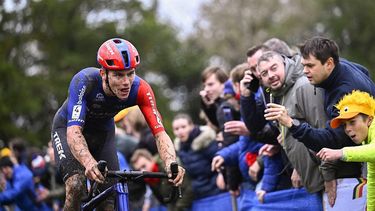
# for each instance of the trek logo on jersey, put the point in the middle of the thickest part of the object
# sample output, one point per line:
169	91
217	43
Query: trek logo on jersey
80	95
58	146
154	111
76	111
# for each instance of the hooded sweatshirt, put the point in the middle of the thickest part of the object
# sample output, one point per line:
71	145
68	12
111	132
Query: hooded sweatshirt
305	104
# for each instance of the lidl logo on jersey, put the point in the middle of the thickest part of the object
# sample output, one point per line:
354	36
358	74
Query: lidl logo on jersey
76	111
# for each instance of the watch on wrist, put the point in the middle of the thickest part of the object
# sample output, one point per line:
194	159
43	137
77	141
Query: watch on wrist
295	124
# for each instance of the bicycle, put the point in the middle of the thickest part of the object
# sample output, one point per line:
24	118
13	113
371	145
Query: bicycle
120	188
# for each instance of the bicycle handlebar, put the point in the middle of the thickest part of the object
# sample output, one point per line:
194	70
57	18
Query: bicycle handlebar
131	175
134	175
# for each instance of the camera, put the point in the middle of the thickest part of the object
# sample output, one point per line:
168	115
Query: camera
253	86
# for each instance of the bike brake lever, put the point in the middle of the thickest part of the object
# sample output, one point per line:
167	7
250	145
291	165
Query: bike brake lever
102	164
176	191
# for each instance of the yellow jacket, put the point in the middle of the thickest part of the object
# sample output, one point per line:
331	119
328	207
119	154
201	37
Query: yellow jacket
365	153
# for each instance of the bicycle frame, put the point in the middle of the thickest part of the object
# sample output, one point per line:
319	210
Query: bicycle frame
122	202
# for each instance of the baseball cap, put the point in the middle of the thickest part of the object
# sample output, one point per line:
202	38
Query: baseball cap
228	88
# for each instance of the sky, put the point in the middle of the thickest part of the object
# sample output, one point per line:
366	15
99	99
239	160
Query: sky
181	13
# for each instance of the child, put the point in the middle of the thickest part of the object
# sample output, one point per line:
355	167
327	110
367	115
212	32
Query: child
356	115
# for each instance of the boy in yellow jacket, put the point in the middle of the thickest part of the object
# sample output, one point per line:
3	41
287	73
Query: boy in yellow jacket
357	112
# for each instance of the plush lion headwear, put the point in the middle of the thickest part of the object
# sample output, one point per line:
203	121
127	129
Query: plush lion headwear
352	104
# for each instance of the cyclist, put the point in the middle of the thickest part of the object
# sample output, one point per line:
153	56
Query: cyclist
83	128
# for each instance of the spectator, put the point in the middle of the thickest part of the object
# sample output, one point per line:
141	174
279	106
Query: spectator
357	112
279	46
197	162
284	77
244	154
143	160
213	79
337	77
19	187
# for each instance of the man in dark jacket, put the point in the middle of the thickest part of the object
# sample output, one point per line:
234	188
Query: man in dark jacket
337	77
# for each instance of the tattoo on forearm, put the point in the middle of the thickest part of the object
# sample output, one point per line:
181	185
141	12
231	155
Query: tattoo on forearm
165	147
78	146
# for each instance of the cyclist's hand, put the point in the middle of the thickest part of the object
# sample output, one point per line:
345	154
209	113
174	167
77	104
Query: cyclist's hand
177	181
92	172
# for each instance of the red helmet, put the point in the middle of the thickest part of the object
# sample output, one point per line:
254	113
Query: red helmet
118	54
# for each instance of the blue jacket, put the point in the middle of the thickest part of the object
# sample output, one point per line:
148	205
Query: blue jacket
20	190
345	77
235	154
198	166
252	108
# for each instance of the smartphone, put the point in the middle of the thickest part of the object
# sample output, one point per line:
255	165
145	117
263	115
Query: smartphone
227	114
271	101
254	84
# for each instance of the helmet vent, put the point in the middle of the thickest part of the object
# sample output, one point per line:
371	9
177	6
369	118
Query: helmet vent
117	41
126	58
109	62
137	59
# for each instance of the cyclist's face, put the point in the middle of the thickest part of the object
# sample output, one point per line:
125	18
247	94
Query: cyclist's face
121	82
182	128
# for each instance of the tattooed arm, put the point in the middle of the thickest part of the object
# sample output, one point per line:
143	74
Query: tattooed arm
168	154
78	147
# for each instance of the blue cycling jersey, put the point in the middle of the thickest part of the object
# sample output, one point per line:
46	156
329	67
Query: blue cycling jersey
88	105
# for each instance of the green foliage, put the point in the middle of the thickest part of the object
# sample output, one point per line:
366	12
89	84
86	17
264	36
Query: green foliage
352	25
45	43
